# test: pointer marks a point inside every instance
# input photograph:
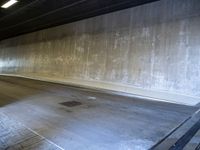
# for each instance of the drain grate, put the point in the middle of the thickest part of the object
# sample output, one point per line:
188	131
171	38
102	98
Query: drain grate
71	103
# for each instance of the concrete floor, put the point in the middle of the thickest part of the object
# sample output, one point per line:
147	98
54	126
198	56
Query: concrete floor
99	122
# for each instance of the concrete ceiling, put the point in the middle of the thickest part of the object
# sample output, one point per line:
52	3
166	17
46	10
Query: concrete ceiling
31	15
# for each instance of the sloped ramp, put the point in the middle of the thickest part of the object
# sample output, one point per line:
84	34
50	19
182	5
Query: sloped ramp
186	136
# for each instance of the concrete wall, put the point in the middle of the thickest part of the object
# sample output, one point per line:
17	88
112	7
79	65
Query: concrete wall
152	49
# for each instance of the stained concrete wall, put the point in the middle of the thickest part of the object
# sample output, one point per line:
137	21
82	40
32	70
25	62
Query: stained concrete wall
150	48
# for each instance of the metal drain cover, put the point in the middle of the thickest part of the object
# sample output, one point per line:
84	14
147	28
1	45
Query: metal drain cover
71	103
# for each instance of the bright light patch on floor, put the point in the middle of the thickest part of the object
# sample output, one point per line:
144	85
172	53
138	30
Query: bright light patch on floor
9	3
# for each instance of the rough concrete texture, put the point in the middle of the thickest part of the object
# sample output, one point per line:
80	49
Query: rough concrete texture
14	136
153	47
102	121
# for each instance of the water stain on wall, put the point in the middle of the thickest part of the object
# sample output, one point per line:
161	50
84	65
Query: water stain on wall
153	46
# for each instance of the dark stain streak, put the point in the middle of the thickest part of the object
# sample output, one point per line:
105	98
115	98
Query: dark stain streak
71	103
